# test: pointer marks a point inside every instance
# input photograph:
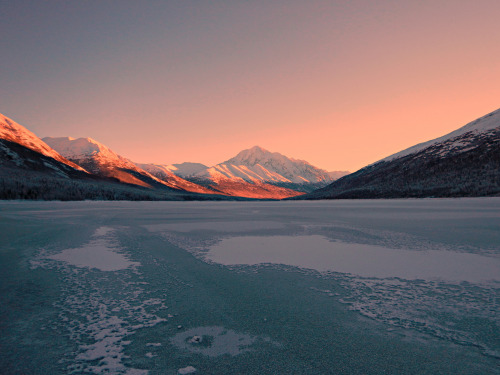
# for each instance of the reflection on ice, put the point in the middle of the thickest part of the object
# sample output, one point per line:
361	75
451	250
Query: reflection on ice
219	226
100	253
319	253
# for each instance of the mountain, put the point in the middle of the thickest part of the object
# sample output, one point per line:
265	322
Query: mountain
236	186
13	132
98	159
31	169
335	175
257	169
185	169
165	174
465	162
258	164
27	174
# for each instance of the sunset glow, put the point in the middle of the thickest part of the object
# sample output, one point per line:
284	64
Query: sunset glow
339	84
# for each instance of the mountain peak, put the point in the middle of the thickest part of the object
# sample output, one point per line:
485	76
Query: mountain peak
14	132
258	164
257	149
75	148
254	155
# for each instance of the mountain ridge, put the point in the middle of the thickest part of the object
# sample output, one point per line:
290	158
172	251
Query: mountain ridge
101	160
14	132
464	162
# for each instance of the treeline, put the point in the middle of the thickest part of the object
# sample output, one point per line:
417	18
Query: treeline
18	184
26	174
38	186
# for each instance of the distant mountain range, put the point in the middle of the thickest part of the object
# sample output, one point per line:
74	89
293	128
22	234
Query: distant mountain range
465	162
31	169
100	160
253	173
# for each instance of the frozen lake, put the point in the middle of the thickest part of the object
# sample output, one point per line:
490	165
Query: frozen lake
335	287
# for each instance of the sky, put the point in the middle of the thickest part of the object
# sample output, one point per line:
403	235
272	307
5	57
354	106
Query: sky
340	84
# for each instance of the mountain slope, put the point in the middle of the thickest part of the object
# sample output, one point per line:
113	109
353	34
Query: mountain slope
27	174
163	173
258	164
30	169
236	186
257	171
465	162
13	132
185	169
100	160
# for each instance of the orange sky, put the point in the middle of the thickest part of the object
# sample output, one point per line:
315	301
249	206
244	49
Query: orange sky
339	84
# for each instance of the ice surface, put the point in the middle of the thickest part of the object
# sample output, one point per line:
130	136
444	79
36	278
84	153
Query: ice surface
99	253
96	255
319	253
220	226
98	322
186	370
391	261
214	341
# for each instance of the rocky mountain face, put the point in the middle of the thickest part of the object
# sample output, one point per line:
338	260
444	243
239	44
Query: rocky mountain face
465	162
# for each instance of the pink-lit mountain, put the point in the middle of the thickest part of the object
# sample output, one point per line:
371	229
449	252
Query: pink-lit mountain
253	173
101	160
16	133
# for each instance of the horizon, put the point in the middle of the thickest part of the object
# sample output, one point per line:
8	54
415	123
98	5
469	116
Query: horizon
338	85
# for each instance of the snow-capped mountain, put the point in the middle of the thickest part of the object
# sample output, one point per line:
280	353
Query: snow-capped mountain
253	173
31	169
259	173
465	162
460	137
13	132
259	165
99	159
186	169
